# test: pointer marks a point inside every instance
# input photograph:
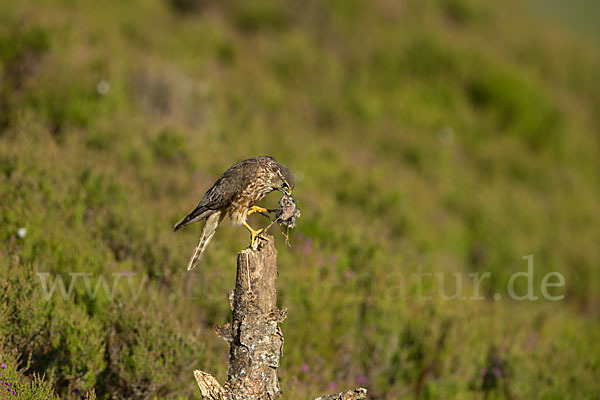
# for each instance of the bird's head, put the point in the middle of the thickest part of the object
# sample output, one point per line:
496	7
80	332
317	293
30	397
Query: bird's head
283	179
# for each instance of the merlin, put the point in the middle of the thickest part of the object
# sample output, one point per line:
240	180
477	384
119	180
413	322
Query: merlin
235	193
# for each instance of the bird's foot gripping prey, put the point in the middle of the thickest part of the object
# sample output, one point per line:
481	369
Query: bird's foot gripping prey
259	210
286	215
234	194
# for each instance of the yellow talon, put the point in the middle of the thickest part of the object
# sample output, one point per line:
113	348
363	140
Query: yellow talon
257	209
254	234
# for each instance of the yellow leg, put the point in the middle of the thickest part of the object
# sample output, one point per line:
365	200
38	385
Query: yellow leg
254	234
257	209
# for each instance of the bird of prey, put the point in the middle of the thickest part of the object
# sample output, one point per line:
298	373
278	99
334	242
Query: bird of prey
235	193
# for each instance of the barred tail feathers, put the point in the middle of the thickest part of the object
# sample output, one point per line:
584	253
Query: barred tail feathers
196	215
208	231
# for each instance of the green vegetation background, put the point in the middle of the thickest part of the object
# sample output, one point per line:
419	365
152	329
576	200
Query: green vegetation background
455	136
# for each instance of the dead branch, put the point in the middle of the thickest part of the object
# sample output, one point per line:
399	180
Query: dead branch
356	394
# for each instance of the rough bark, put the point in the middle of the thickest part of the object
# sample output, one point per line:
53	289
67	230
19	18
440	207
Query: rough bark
356	394
254	336
209	387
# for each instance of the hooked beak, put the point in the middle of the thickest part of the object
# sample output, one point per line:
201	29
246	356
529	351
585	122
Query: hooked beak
286	192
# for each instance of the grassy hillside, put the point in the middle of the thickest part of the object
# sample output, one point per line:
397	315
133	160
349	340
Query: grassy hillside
440	136
581	16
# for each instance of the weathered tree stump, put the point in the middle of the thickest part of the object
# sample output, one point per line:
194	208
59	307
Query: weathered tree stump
254	336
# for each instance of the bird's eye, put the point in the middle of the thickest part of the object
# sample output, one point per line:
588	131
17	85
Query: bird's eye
285	185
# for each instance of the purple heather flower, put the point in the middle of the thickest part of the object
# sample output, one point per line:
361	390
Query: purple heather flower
304	368
362	379
332	385
2	365
307	247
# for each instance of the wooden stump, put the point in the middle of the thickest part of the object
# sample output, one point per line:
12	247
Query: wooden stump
254	336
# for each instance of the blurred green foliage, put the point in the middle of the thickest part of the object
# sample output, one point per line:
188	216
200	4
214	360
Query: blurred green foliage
443	136
576	15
